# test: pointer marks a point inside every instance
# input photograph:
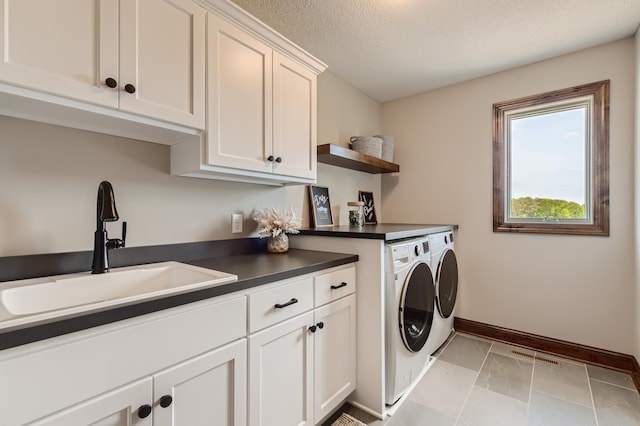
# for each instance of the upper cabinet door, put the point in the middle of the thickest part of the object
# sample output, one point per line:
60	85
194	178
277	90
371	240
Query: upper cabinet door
239	117
57	46
162	54
294	118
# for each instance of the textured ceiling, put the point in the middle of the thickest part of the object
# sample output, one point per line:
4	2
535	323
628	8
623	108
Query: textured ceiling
390	49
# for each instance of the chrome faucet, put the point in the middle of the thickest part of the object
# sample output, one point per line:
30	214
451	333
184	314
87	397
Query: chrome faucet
106	212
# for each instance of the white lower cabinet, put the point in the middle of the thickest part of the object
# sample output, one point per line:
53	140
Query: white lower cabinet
118	374
335	355
279	355
302	368
281	374
115	408
209	389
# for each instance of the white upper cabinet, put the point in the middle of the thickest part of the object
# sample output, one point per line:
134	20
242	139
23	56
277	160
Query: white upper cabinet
261	106
234	99
294	118
139	56
59	47
162	57
239	119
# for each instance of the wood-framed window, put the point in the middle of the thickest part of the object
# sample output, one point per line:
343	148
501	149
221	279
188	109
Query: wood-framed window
551	162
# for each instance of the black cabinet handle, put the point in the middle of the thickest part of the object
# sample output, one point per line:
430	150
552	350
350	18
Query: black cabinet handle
320	325
284	305
335	287
279	160
130	88
166	401
111	82
270	158
312	329
144	411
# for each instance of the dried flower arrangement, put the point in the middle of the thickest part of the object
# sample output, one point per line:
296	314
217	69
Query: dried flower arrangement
272	222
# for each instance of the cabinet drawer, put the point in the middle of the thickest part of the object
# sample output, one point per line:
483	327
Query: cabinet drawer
279	303
334	285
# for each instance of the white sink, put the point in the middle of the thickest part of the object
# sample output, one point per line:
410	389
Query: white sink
84	290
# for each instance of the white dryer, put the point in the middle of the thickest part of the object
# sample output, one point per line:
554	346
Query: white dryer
410	305
445	269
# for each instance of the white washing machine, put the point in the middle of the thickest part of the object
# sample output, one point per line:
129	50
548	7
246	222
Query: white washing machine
445	269
410	306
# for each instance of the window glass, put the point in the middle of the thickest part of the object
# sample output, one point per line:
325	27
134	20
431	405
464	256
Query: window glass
551	162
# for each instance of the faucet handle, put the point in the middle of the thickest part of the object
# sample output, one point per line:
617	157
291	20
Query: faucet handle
124	233
116	243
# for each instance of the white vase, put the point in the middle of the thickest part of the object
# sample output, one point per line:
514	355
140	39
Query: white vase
278	244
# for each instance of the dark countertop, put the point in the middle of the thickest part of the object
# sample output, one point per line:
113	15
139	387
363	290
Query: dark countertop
381	231
253	269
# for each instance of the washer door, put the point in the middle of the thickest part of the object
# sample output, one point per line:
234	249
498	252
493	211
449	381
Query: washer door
447	283
416	307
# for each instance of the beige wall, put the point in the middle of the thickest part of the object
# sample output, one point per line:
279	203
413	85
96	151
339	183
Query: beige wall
637	196
343	111
49	178
575	288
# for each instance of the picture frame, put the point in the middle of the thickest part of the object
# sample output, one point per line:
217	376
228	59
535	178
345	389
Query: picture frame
369	207
320	206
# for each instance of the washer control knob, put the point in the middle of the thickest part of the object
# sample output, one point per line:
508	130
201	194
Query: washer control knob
416	250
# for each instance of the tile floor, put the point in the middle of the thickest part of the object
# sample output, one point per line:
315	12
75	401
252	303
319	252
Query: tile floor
476	382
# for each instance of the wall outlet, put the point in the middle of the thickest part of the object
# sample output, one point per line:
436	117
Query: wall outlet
236	223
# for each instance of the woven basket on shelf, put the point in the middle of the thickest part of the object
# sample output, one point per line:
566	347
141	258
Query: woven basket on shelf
368	145
388	143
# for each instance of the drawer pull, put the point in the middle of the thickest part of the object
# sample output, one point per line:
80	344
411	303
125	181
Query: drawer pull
335	287
284	305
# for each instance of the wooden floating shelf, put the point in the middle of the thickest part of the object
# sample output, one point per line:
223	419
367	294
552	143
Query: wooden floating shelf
340	156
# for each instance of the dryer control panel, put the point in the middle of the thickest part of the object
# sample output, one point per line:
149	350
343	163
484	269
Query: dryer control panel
406	252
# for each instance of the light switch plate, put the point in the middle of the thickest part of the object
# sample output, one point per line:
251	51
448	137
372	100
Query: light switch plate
236	223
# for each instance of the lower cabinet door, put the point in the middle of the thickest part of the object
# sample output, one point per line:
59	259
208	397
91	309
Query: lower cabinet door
281	374
335	354
210	389
126	406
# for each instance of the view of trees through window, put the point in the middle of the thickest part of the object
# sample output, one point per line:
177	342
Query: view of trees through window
548	167
545	208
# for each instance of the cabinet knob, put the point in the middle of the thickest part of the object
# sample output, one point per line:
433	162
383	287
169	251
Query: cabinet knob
111	82
320	325
312	329
270	158
144	411
130	88
166	401
279	160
